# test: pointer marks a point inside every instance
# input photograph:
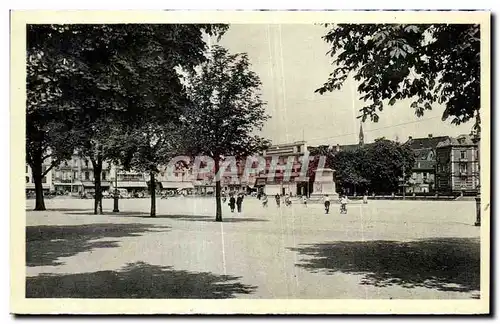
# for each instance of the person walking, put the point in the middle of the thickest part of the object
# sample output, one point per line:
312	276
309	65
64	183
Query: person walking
343	204
264	200
304	200
327	204
239	202
231	203
278	199
365	198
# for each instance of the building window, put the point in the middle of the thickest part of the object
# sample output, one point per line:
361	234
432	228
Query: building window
463	168
104	175
298	149
86	163
87	175
425	174
27	179
75	176
44	180
463	154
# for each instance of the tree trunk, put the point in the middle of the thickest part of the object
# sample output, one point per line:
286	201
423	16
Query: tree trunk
36	172
153	194
218	208
97	165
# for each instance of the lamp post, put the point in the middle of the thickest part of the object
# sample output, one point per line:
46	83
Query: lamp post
476	138
115	197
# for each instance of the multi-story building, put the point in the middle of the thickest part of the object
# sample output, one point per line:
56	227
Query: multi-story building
180	179
422	179
278	184
47	184
133	181
76	176
457	165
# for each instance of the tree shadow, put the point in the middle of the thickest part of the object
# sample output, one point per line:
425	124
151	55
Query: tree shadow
136	280
62	209
46	244
446	264
191	218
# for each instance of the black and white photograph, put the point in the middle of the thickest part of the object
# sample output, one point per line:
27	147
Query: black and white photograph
283	162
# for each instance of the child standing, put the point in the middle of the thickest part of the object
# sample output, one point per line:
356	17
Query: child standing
327	204
343	204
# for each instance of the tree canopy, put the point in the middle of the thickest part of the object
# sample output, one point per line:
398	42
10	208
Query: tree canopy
429	64
99	78
226	110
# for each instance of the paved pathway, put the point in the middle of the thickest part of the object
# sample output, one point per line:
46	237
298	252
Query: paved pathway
383	250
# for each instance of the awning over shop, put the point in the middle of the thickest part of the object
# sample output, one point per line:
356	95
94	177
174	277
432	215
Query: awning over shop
31	186
202	184
90	184
132	184
260	182
176	185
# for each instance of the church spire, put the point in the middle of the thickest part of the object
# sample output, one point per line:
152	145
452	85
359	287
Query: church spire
361	135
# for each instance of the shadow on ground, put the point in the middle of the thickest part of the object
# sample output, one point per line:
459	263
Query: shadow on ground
192	218
62	209
136	280
46	244
447	264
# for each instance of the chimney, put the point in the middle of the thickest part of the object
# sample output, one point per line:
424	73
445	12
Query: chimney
338	148
430	135
410	138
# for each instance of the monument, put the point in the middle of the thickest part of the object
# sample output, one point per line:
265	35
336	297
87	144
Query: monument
324	184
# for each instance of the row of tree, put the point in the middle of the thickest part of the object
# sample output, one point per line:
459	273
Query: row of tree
136	95
379	167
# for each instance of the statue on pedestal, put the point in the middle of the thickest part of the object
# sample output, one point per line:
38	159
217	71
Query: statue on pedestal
324	184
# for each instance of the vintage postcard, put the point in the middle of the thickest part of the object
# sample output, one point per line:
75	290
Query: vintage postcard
250	162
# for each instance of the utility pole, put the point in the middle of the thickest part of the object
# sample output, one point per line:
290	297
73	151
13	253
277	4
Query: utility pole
404	181
115	198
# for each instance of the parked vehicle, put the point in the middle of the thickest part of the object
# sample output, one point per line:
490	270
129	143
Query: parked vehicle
123	193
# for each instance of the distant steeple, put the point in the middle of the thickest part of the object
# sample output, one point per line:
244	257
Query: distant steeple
361	135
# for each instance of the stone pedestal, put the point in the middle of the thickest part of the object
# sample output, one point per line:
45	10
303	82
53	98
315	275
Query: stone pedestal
324	184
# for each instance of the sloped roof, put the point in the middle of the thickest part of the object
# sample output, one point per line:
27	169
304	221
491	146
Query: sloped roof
422	153
424	165
457	141
426	142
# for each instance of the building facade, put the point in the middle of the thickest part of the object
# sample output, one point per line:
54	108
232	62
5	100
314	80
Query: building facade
76	176
457	166
47	184
278	184
423	175
422	179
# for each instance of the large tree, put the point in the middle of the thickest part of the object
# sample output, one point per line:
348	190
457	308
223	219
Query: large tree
350	169
385	164
49	117
226	110
113	75
429	64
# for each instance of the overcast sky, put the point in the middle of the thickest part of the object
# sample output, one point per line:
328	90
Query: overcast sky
291	61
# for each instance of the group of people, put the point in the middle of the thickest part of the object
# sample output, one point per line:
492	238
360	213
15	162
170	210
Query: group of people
236	202
343	200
